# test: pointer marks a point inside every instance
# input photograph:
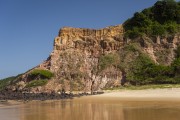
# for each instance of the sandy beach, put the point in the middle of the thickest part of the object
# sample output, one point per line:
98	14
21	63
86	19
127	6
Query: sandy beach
150	104
165	94
169	94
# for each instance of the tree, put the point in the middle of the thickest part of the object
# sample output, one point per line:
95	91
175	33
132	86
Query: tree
165	10
161	19
158	29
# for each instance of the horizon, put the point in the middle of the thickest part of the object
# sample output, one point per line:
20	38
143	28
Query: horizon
28	28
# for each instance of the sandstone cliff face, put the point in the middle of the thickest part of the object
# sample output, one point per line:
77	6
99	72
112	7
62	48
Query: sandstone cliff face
161	49
91	42
77	52
76	55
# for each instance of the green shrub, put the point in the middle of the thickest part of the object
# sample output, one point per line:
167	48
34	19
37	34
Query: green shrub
36	83
158	29
176	66
134	33
107	61
166	10
171	27
41	74
138	67
178	52
6	81
144	71
133	47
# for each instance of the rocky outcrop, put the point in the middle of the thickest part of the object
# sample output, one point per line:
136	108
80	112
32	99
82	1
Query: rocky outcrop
161	49
82	38
75	59
76	55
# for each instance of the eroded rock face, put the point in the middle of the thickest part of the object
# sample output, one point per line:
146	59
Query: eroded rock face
76	54
77	51
92	42
80	38
161	49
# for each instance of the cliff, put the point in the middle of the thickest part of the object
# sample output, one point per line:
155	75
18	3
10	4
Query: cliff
92	42
91	60
76	55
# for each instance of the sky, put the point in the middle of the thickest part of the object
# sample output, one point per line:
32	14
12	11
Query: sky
28	27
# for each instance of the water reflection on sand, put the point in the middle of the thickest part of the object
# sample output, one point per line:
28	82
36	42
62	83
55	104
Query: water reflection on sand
92	109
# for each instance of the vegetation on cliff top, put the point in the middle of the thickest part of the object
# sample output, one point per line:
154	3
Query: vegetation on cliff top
162	19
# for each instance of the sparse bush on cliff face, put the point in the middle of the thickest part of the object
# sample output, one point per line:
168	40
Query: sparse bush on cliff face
133	47
159	20
6	81
108	61
176	64
136	73
140	69
36	83
40	74
176	67
178	52
145	71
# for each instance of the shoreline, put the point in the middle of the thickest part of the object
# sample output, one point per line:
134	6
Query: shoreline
165	94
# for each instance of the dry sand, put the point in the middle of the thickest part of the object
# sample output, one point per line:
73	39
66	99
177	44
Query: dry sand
170	94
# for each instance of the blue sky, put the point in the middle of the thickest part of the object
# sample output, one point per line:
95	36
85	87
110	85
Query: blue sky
28	27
